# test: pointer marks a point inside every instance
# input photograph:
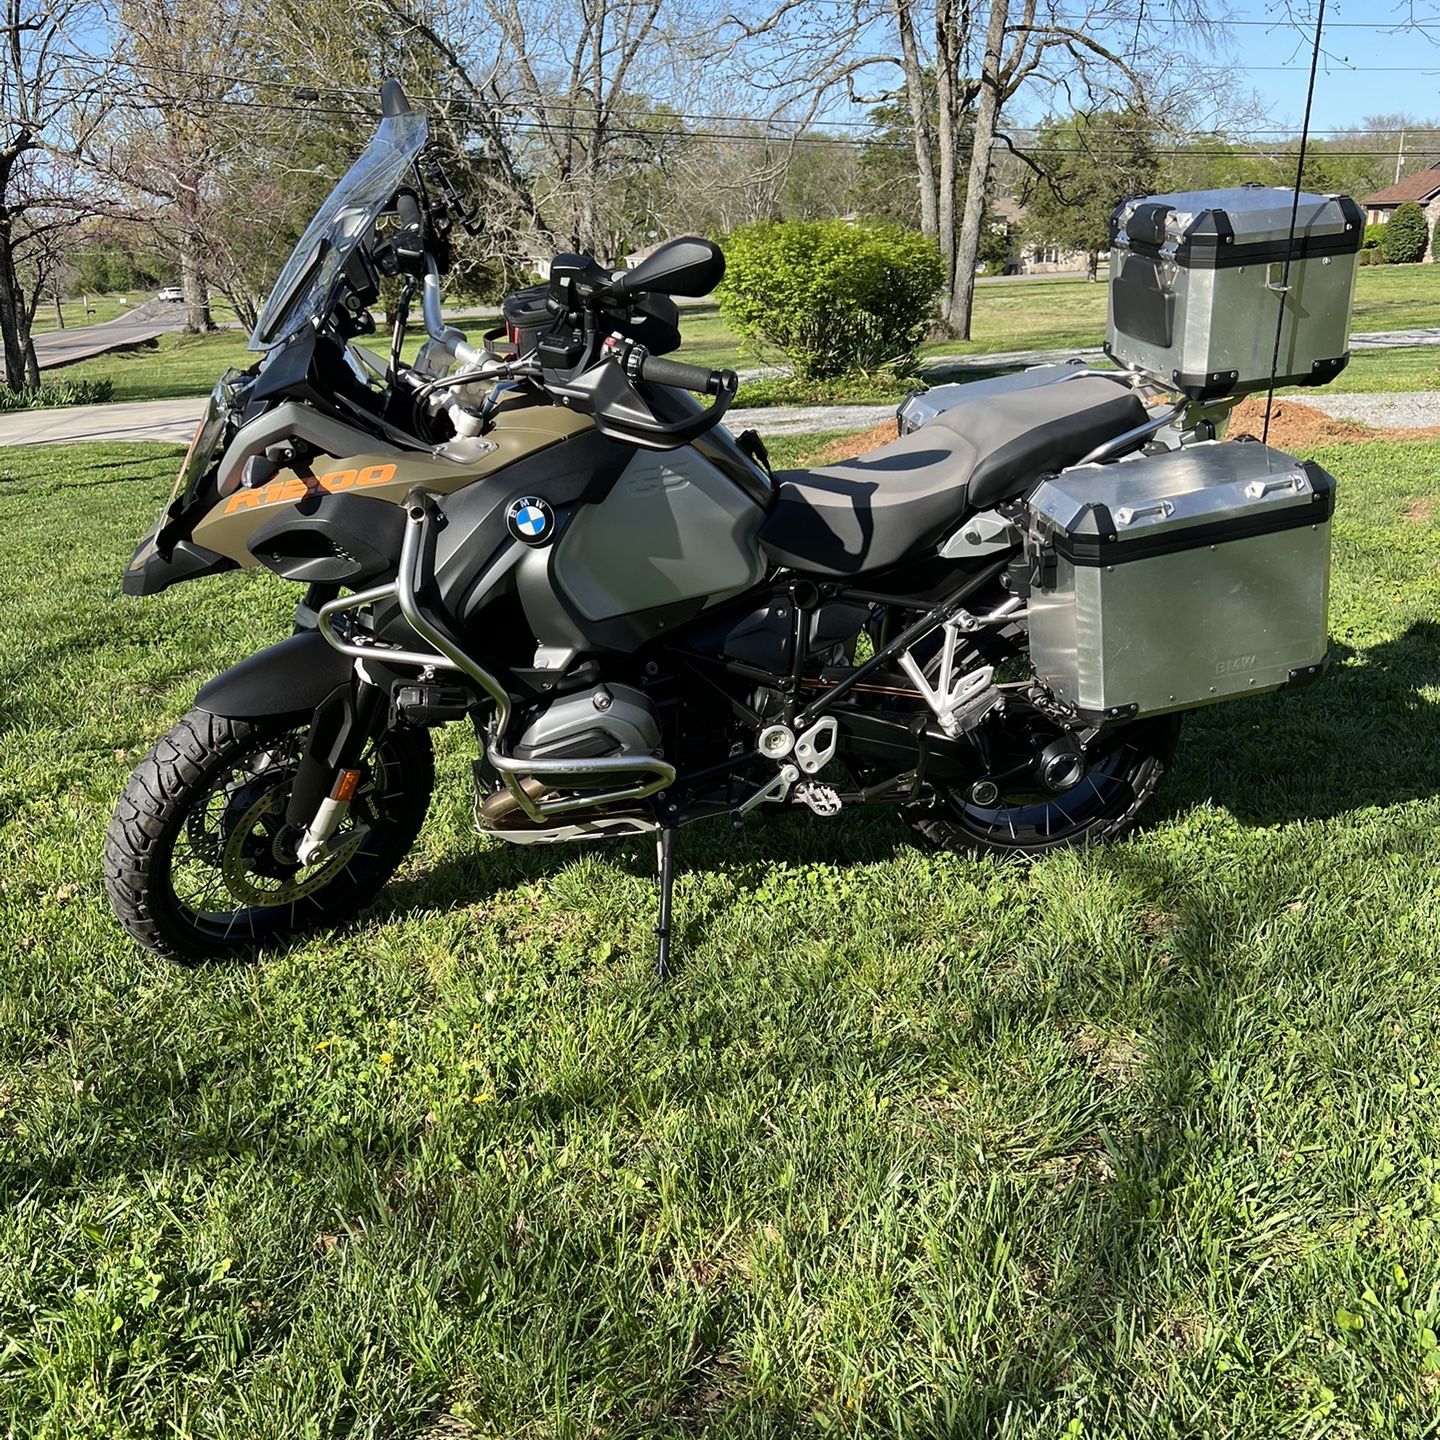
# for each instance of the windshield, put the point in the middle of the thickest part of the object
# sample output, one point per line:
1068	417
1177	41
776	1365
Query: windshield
305	289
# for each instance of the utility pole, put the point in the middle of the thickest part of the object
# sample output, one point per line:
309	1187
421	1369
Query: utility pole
1400	158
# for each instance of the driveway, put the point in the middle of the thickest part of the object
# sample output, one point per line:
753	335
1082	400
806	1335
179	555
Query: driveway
54	348
165	420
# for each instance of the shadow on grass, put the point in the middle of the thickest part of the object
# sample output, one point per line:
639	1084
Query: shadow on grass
1366	735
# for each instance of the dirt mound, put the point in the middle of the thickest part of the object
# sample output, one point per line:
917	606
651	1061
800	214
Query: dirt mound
847	447
1294	426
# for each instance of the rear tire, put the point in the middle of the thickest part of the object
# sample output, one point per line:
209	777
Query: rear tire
1101	806
207	803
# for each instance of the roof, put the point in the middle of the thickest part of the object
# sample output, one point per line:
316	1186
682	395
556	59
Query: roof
1006	207
1421	186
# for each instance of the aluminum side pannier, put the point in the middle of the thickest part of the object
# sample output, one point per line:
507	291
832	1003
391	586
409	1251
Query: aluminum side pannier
1177	580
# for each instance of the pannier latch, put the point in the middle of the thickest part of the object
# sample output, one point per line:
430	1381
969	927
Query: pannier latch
1129	514
1295	484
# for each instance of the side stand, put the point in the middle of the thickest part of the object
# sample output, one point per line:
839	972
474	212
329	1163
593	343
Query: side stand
665	872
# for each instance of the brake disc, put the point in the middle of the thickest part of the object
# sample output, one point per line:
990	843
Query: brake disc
257	851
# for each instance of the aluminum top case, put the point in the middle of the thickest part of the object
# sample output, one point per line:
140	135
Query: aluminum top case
1176	580
1196	287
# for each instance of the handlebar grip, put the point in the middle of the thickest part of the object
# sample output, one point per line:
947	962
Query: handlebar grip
687	377
407	209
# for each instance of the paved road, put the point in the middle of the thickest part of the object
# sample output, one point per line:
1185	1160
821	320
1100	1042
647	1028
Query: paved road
169	420
150	320
1406	409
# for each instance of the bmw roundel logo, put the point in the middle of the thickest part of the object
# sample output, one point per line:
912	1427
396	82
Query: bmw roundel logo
530	519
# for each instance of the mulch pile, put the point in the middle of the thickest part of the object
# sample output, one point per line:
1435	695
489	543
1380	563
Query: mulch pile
1293	426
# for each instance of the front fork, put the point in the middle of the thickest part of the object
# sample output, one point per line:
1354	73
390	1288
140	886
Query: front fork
329	773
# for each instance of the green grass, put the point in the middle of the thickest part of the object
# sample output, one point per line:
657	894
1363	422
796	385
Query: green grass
182	365
1141	1142
1414	367
91	310
175	366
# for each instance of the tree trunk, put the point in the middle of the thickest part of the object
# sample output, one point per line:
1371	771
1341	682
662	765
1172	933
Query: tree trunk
192	284
955	315
947	57
919	126
14	317
1092	265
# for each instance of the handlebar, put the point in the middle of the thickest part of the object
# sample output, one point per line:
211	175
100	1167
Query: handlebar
435	327
407	209
639	364
685	377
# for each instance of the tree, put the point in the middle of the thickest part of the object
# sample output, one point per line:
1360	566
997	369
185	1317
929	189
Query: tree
1088	165
1406	234
832	296
562	101
47	112
982	54
169	140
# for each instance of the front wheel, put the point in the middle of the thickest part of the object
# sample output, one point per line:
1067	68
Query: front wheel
199	862
1101	805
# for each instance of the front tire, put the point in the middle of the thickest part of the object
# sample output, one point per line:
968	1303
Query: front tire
198	862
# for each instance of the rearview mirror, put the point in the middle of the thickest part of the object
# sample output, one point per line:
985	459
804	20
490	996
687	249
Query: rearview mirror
688	266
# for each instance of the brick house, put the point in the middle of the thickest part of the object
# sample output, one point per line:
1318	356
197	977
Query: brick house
1423	188
1031	259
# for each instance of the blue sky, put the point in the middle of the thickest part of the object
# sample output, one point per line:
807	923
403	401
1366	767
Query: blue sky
1367	66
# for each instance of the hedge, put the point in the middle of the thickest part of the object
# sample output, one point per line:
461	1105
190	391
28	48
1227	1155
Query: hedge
54	394
1405	235
832	297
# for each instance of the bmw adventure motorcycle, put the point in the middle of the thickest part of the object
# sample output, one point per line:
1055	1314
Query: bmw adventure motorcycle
550	539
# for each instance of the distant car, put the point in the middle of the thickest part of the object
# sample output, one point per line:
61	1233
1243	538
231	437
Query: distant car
171	292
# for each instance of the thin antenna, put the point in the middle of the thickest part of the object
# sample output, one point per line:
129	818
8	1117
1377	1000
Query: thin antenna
1284	286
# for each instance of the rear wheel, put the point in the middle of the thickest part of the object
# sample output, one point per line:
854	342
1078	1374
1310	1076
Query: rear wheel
199	861
1123	772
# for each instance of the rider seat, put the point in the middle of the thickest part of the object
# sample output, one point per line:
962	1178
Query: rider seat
875	510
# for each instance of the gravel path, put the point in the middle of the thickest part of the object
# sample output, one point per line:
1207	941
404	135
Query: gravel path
1414	409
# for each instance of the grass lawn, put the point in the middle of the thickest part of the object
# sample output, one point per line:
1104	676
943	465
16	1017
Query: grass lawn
1415	367
86	310
1039	314
176	365
182	365
1140	1142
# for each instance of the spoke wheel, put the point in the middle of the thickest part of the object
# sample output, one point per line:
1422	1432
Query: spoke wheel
1102	804
200	861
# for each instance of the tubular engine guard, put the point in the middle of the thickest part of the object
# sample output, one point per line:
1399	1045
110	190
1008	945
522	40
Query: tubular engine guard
412	582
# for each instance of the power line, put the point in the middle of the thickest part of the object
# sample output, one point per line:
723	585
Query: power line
547	122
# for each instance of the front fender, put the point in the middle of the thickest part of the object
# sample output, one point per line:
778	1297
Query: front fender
290	678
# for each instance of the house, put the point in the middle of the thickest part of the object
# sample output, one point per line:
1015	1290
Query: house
1026	259
1423	188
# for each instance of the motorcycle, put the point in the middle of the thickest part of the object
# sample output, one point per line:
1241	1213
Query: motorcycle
551	539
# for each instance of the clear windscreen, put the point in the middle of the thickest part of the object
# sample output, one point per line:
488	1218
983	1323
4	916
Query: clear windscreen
306	287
